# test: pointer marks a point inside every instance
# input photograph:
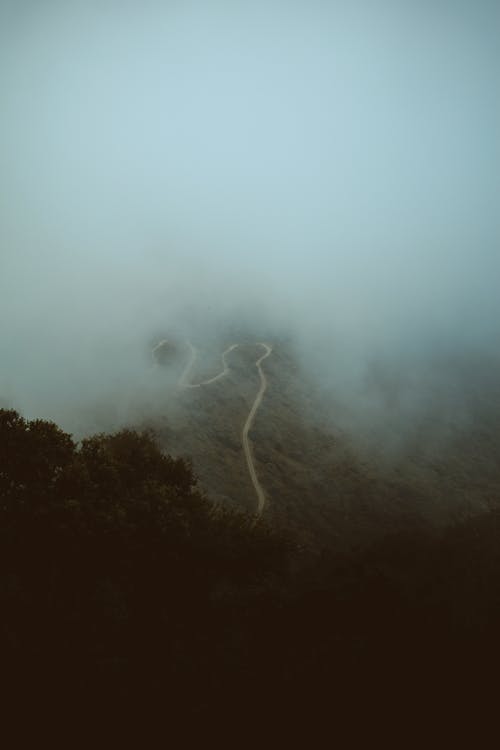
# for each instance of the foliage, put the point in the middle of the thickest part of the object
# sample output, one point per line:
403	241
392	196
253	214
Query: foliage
118	578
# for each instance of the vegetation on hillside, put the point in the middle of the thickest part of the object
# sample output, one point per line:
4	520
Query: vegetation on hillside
119	580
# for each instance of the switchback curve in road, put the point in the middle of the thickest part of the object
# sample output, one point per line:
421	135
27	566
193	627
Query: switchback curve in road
192	358
247	448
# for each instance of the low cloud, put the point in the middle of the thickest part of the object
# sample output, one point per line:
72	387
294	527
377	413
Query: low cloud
328	174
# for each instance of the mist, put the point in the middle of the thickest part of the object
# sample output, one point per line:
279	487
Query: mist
326	172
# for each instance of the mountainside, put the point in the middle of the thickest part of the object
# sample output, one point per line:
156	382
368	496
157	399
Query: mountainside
323	483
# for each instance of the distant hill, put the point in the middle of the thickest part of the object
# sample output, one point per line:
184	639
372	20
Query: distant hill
325	484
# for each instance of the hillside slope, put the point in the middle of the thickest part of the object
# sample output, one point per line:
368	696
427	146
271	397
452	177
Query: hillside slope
326	484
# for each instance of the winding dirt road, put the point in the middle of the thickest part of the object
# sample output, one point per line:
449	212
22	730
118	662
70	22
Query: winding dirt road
247	448
261	498
191	361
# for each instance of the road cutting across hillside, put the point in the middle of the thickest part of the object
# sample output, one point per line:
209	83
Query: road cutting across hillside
192	357
261	498
247	448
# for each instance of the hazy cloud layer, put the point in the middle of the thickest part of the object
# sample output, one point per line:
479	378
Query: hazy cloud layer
327	169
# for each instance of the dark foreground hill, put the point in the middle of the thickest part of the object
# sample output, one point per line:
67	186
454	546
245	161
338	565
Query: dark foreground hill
123	588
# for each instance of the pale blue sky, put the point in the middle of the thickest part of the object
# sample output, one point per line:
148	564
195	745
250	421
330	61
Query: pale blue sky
337	162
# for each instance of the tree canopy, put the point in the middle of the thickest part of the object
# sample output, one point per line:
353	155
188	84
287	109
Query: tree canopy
120	579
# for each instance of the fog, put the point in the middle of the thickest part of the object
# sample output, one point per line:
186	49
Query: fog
324	171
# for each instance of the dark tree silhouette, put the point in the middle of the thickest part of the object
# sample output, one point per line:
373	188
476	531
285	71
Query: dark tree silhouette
119	579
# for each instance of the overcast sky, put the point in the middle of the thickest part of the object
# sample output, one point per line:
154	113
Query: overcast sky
334	165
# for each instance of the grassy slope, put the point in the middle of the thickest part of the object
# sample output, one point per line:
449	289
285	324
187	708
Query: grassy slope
321	484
